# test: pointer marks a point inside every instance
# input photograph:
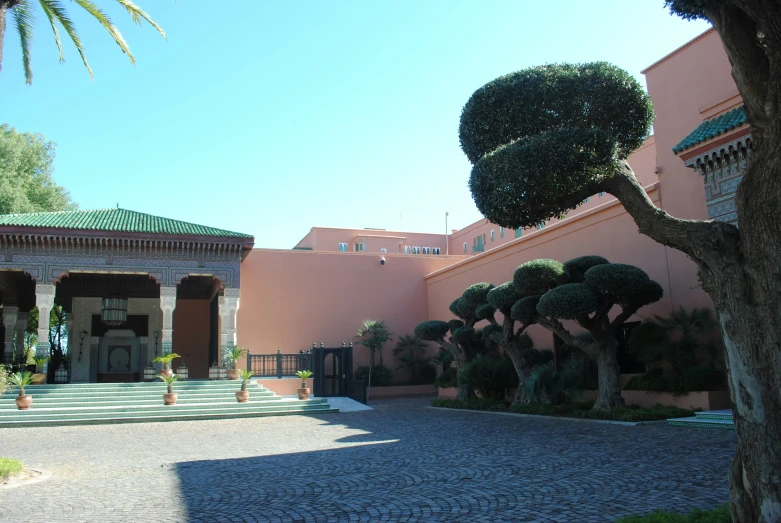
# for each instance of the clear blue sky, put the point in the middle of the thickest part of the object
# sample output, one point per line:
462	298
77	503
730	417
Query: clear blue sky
272	117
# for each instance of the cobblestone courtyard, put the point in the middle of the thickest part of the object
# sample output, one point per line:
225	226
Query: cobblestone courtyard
400	462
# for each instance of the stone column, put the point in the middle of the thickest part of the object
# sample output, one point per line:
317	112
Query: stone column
167	304
44	300
228	307
21	326
10	317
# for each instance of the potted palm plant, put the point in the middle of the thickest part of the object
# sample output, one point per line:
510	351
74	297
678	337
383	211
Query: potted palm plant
304	391
40	376
23	401
234	355
169	398
242	396
166	362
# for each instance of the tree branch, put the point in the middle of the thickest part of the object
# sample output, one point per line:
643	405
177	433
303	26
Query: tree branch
621	318
558	329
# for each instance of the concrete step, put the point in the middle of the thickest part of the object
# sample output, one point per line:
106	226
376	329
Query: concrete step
136	393
152	399
171	416
715	414
122	387
699	422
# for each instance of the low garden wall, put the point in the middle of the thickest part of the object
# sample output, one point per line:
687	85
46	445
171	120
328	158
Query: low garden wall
285	386
447	393
401	391
705	400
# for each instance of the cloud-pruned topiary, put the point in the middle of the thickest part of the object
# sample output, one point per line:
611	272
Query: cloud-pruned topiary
570	301
503	296
538	276
525	309
476	294
576	268
538	137
433	330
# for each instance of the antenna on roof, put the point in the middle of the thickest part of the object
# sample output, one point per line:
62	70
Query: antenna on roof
117	205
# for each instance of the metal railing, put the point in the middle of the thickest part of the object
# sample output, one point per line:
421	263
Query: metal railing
279	365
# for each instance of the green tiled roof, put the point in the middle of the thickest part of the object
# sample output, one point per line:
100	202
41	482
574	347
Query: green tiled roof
713	127
115	220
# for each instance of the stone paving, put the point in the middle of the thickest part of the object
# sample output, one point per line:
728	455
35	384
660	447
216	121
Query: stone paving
398	462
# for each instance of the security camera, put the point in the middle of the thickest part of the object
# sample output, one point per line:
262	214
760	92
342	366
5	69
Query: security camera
382	260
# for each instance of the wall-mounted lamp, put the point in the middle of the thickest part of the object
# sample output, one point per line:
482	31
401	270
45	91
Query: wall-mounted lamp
382	260
82	335
157	335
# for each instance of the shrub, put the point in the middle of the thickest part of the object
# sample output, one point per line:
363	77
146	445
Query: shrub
692	379
448	378
426	375
381	375
9	467
3	378
546	385
472	404
719	515
491	376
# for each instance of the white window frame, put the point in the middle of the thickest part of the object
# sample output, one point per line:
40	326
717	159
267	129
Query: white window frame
493	235
416	250
406	250
360	247
426	250
465	251
343	247
383	251
435	250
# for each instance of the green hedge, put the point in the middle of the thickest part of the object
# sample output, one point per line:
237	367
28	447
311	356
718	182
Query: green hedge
571	410
9	467
719	515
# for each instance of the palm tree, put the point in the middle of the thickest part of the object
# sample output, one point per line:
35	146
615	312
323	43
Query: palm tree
375	334
23	14
410	352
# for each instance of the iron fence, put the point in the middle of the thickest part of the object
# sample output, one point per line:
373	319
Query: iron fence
279	365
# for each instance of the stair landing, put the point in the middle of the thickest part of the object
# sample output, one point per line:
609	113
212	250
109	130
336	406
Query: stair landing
713	419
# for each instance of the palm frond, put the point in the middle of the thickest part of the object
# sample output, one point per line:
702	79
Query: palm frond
138	14
108	25
25	21
55	11
53	21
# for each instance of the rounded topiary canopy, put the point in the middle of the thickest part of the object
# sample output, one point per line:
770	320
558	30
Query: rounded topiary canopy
455	324
475	294
492	332
570	301
538	136
464	334
484	311
621	281
461	308
431	330
525	309
503	296
576	268
537	276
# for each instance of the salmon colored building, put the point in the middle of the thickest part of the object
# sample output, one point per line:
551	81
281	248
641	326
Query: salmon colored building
199	290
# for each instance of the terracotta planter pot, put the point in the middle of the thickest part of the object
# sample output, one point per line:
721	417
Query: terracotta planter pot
303	394
39	378
242	396
170	398
233	374
167	372
24	402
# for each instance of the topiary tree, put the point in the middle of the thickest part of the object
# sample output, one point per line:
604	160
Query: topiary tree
543	139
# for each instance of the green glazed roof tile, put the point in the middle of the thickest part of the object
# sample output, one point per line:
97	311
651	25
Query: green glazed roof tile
713	127
115	220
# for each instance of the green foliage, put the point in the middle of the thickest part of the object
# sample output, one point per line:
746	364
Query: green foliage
26	167
621	281
443	357
169	381
381	375
546	385
410	352
40	361
236	353
570	301
9	467
375	334
491	376
491	333
692	9
20	380
166	359
525	309
538	136
691	379
448	378
719	515
3	378
302	374
484	312
454	324
538	276
462	309
576	268
464	334
57	15
502	297
476	294
433	330
245	376
471	404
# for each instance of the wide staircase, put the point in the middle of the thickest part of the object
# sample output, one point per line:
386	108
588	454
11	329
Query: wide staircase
712	419
96	403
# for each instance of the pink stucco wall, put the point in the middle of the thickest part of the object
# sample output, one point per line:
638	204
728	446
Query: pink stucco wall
291	298
328	239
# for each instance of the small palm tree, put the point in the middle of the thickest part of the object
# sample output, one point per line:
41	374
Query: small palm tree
23	13
245	376
304	375
235	354
169	380
166	360
21	380
375	334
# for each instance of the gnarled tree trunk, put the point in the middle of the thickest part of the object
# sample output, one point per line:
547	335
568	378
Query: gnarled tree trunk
609	395
514	352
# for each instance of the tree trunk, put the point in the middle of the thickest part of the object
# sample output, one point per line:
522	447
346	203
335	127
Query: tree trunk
607	375
514	352
465	391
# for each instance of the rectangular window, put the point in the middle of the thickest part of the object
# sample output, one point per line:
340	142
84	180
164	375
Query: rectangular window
601	194
501	232
586	200
540	225
342	247
406	250
464	247
416	250
493	236
435	250
518	232
383	250
359	247
426	250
